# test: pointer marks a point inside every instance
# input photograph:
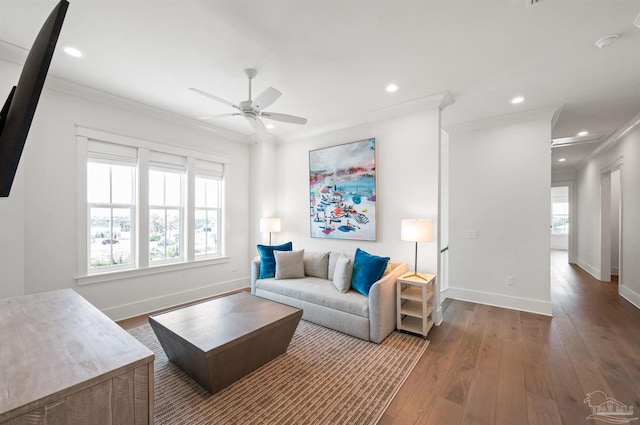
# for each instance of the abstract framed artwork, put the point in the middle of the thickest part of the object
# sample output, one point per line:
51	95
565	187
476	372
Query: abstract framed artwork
342	191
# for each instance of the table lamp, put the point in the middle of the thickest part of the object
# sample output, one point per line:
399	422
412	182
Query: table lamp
270	225
416	231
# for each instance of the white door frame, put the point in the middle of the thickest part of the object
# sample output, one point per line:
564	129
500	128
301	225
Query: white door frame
571	247
605	221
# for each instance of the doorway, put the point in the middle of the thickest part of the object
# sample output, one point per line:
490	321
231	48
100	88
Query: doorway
562	218
611	222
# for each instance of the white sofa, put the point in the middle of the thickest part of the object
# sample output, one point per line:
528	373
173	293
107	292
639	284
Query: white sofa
371	318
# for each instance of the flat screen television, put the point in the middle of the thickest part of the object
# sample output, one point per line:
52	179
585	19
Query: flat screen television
17	113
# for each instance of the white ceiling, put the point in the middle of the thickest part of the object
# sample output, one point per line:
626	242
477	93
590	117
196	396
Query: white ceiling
333	59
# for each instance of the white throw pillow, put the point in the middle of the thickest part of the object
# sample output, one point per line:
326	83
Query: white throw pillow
342	274
289	264
316	264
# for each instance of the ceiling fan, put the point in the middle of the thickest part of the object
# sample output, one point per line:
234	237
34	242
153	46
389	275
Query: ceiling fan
252	110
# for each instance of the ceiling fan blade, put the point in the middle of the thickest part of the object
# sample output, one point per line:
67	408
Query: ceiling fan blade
283	117
216	98
230	114
256	124
266	98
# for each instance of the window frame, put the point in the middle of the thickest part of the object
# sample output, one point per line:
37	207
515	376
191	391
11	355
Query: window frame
182	228
218	213
567	216
84	275
113	205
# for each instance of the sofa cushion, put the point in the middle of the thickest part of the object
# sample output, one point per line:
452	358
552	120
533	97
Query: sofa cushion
268	261
342	274
367	269
333	258
289	264
316	264
318	291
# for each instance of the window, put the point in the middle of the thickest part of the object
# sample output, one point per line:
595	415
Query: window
560	218
207	216
111	206
146	206
165	215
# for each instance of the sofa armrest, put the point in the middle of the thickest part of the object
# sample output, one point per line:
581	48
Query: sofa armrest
255	273
382	304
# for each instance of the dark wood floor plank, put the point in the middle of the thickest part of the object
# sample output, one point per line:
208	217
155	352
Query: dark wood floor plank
512	392
480	404
456	384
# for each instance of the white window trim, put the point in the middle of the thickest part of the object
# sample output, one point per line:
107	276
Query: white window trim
219	221
83	277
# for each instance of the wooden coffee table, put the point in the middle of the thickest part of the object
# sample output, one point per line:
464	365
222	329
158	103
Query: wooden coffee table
219	341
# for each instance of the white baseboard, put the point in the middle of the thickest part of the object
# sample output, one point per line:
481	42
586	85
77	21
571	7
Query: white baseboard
593	271
614	271
500	300
137	308
629	295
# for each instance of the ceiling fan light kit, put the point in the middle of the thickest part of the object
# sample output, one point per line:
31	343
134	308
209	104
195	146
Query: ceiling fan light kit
252	110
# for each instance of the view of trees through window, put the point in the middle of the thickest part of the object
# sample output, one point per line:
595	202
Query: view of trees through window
148	207
207	215
165	215
560	218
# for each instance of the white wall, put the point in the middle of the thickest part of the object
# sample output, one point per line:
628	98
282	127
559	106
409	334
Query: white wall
500	179
47	188
407	145
588	237
407	186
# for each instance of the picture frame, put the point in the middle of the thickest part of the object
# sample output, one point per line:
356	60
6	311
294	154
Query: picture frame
343	191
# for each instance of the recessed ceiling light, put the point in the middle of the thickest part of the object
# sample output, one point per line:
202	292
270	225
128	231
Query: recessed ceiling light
72	51
562	159
582	133
270	126
391	88
516	100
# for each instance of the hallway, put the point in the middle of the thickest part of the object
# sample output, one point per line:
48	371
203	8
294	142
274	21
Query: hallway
489	365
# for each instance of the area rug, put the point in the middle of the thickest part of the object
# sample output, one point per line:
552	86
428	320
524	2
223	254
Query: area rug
325	377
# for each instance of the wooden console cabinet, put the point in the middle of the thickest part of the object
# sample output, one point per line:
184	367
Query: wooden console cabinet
62	361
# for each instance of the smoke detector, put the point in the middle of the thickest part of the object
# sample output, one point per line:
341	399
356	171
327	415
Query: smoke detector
607	41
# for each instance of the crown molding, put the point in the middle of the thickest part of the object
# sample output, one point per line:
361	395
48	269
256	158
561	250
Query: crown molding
626	129
17	55
439	100
549	113
73	89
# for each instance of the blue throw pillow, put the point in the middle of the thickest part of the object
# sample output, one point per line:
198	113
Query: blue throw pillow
268	261
367	270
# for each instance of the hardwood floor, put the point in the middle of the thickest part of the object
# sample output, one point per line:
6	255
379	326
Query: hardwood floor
492	366
489	365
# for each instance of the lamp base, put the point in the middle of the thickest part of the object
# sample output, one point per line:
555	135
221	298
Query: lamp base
414	274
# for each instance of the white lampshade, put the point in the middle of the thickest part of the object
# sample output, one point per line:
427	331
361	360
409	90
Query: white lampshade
416	230
271	225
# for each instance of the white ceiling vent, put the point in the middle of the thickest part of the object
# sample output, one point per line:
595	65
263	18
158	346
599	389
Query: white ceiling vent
531	3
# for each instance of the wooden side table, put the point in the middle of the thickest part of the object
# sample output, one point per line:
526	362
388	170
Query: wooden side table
414	303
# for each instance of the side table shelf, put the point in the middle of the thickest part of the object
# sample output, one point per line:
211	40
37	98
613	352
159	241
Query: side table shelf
415	303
